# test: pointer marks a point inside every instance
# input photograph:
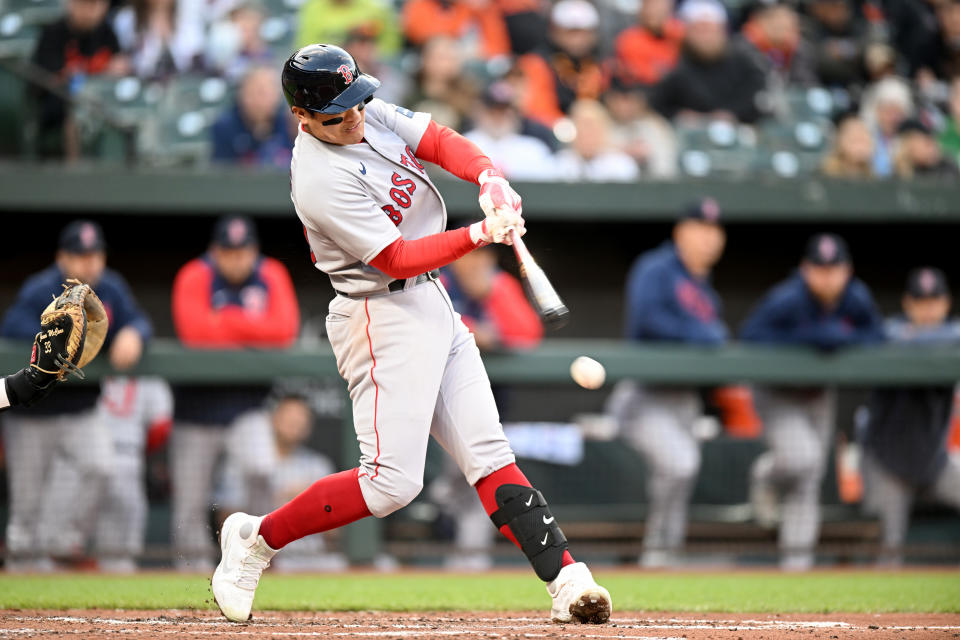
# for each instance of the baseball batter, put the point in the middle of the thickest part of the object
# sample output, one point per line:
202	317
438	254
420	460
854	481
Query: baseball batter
375	224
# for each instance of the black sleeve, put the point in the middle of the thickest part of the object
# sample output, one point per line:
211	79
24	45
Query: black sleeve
753	82
49	51
663	98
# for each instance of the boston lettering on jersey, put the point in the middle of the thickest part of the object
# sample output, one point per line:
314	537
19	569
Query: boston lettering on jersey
402	194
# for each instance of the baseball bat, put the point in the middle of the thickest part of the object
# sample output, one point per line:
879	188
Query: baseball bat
539	290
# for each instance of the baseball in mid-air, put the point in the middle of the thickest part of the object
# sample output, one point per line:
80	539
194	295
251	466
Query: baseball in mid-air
588	373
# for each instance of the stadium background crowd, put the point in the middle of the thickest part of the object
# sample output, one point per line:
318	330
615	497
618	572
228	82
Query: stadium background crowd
565	91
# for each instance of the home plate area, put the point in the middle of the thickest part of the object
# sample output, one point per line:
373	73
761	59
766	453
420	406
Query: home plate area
96	624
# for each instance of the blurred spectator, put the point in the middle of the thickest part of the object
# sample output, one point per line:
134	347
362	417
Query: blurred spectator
670	299
256	130
491	302
591	156
499	135
772	37
148	33
927	34
905	433
852	152
824	306
838	38
54	519
79	44
231	297
267	464
712	78
526	24
567	68
476	24
329	22
138	414
234	44
643	134
913	31
919	155
442	87
646	51
363	46
885	105
950	136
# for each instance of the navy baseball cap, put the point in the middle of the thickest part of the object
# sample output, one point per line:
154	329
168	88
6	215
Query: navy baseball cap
827	249
82	236
927	282
704	210
233	232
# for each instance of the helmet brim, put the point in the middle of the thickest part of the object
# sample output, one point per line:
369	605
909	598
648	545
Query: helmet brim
361	88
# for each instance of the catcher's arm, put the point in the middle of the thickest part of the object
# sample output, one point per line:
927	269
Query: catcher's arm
72	329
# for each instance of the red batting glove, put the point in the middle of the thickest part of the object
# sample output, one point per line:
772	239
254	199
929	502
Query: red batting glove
496	195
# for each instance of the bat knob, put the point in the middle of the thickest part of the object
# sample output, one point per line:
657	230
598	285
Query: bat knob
557	317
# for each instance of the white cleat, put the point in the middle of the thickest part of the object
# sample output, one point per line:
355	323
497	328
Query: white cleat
577	597
244	558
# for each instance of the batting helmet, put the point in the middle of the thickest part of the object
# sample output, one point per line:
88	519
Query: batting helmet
325	79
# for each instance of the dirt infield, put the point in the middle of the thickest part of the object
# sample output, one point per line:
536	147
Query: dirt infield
207	625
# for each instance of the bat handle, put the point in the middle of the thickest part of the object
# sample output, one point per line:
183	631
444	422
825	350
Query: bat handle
519	247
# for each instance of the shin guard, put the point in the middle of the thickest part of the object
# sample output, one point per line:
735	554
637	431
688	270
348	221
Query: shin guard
524	511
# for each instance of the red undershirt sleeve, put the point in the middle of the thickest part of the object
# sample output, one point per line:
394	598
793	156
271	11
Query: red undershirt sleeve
445	147
405	259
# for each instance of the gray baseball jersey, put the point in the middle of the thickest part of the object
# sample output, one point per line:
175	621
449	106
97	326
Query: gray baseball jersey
412	367
354	200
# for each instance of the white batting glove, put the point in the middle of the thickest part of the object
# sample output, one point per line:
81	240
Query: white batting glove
496	195
496	229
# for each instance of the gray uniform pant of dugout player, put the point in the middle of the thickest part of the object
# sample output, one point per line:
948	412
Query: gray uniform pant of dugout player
413	370
658	423
48	517
890	498
194	452
798	427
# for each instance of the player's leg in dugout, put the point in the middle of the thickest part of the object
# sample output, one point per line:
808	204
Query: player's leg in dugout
661	431
121	524
77	483
889	498
194	450
798	426
29	443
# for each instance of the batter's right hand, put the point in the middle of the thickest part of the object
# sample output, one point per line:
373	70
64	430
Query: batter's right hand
496	194
496	228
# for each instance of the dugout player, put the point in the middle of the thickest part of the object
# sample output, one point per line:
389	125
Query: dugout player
375	225
231	297
45	518
824	306
670	298
905	433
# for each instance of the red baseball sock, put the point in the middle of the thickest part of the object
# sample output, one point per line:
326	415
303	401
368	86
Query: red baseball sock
487	489
328	503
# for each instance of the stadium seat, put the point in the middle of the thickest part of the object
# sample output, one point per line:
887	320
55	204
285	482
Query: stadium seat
208	94
33	12
17	36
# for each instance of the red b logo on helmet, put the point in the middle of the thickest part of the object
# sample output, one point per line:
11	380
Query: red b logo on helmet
344	70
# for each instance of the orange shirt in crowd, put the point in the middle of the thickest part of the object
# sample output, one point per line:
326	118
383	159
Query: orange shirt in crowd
424	19
550	90
644	57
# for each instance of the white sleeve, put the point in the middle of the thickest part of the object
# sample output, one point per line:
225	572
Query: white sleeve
409	125
347	215
158	400
4	400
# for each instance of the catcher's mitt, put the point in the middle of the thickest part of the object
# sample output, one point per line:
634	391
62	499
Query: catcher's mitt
72	330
